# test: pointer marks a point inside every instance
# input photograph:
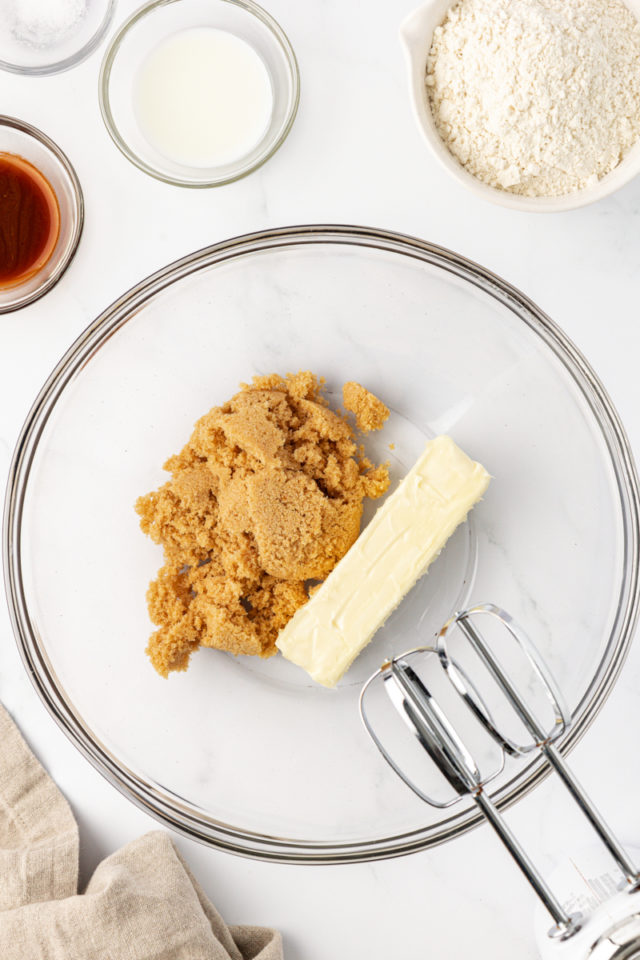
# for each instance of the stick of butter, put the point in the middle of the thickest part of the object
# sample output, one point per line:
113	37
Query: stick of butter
408	531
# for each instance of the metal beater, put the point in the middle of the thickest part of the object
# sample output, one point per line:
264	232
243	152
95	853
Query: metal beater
606	934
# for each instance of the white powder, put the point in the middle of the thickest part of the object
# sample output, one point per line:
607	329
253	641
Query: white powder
43	23
537	97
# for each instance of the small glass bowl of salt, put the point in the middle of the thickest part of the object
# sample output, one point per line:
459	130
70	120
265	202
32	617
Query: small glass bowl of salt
38	37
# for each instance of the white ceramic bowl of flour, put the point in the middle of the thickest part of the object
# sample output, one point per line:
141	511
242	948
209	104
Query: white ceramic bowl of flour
416	34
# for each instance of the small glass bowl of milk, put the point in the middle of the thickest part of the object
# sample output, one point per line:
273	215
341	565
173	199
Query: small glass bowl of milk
199	92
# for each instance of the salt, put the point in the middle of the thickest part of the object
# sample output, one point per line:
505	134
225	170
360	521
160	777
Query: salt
44	23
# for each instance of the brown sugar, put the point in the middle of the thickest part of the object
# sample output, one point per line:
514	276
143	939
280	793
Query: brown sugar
265	497
370	413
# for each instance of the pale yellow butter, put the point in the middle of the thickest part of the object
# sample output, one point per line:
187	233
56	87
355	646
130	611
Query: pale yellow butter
408	531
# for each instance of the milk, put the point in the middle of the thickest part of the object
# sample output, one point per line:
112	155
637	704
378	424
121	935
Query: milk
203	97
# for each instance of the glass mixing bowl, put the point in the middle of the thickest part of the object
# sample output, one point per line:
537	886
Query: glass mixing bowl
250	755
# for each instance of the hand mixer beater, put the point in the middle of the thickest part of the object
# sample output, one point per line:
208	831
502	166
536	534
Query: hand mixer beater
527	715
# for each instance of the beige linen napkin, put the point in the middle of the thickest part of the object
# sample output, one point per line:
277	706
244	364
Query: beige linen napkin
141	903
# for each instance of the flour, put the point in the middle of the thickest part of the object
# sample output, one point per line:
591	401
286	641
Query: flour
537	97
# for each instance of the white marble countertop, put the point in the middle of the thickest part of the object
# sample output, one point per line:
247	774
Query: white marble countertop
353	156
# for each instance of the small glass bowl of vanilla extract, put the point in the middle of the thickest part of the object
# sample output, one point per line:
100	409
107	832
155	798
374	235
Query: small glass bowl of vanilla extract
41	213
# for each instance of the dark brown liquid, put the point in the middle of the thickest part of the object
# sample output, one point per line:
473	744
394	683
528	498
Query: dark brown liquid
29	220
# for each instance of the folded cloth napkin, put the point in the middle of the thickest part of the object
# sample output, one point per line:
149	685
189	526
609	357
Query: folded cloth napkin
142	903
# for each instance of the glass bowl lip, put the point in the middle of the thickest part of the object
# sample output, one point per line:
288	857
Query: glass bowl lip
59	66
280	37
174	811
77	212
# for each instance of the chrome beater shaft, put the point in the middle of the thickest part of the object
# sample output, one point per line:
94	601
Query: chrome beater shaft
420	709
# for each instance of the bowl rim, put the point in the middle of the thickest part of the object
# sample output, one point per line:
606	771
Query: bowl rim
173	810
620	176
77	207
59	66
280	37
